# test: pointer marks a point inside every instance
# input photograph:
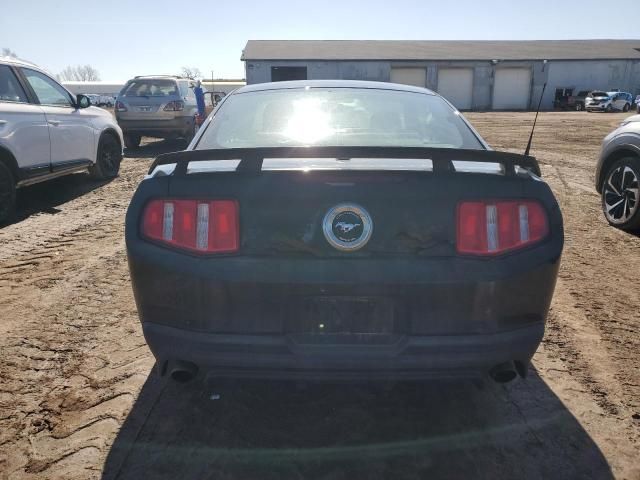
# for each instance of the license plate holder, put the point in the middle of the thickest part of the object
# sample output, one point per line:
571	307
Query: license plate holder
343	315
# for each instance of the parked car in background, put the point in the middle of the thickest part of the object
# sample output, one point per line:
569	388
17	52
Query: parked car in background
156	106
577	102
342	230
637	102
567	101
105	101
47	132
93	98
608	101
617	175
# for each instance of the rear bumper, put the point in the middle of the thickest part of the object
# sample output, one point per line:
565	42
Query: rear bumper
153	127
291	357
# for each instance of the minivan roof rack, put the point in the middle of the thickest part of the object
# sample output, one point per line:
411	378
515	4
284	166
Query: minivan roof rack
165	76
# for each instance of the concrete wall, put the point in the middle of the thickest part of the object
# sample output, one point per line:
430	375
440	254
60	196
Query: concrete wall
581	75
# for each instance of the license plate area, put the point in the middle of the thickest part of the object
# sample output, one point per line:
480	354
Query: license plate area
342	315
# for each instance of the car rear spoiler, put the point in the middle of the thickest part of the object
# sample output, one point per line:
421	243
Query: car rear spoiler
442	158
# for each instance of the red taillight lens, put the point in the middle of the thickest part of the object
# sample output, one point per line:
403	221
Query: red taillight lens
202	226
174	106
491	228
120	107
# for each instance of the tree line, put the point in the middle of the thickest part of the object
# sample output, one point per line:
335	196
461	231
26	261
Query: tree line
87	73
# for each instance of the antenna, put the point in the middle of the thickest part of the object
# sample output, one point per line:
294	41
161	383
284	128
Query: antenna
526	151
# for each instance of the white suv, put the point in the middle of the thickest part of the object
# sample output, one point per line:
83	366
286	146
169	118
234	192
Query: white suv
47	132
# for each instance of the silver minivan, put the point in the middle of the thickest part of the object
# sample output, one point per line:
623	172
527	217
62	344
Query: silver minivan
160	106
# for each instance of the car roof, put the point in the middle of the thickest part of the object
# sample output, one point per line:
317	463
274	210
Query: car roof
18	62
23	63
258	87
158	77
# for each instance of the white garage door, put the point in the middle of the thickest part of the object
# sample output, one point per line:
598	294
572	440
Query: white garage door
511	89
409	76
456	85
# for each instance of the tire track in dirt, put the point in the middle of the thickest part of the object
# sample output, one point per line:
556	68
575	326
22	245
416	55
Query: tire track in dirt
61	408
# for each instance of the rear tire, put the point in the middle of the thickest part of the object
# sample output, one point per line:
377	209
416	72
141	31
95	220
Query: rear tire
109	157
620	194
7	194
626	107
609	109
132	141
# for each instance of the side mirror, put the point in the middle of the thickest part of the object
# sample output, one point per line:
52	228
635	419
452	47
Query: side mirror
82	101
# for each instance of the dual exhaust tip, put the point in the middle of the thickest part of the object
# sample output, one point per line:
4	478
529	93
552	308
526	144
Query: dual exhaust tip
505	372
183	372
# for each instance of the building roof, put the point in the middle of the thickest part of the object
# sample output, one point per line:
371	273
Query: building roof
399	50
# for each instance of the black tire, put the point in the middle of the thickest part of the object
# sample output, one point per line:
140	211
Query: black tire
131	141
609	109
620	194
109	157
579	107
7	194
626	107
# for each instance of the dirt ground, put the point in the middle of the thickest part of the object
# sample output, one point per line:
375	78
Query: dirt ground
78	398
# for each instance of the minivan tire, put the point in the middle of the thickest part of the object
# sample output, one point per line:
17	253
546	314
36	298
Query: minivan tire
131	141
609	109
7	194
626	222
626	107
108	160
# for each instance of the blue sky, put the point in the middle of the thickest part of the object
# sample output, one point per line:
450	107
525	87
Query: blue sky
126	38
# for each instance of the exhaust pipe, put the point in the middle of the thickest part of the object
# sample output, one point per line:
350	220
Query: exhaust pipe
182	372
503	373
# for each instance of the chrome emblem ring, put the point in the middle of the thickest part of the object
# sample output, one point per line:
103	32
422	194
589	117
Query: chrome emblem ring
347	227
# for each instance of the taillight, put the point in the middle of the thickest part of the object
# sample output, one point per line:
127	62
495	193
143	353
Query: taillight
202	226
491	228
174	106
120	107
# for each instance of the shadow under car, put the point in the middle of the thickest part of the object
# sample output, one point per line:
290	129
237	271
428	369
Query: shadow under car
274	430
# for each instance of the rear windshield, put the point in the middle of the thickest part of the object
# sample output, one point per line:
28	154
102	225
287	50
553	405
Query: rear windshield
599	94
337	117
151	88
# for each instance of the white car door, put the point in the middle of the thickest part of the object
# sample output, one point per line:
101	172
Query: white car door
23	125
71	132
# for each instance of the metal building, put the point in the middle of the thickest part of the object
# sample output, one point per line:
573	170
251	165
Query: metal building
473	75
